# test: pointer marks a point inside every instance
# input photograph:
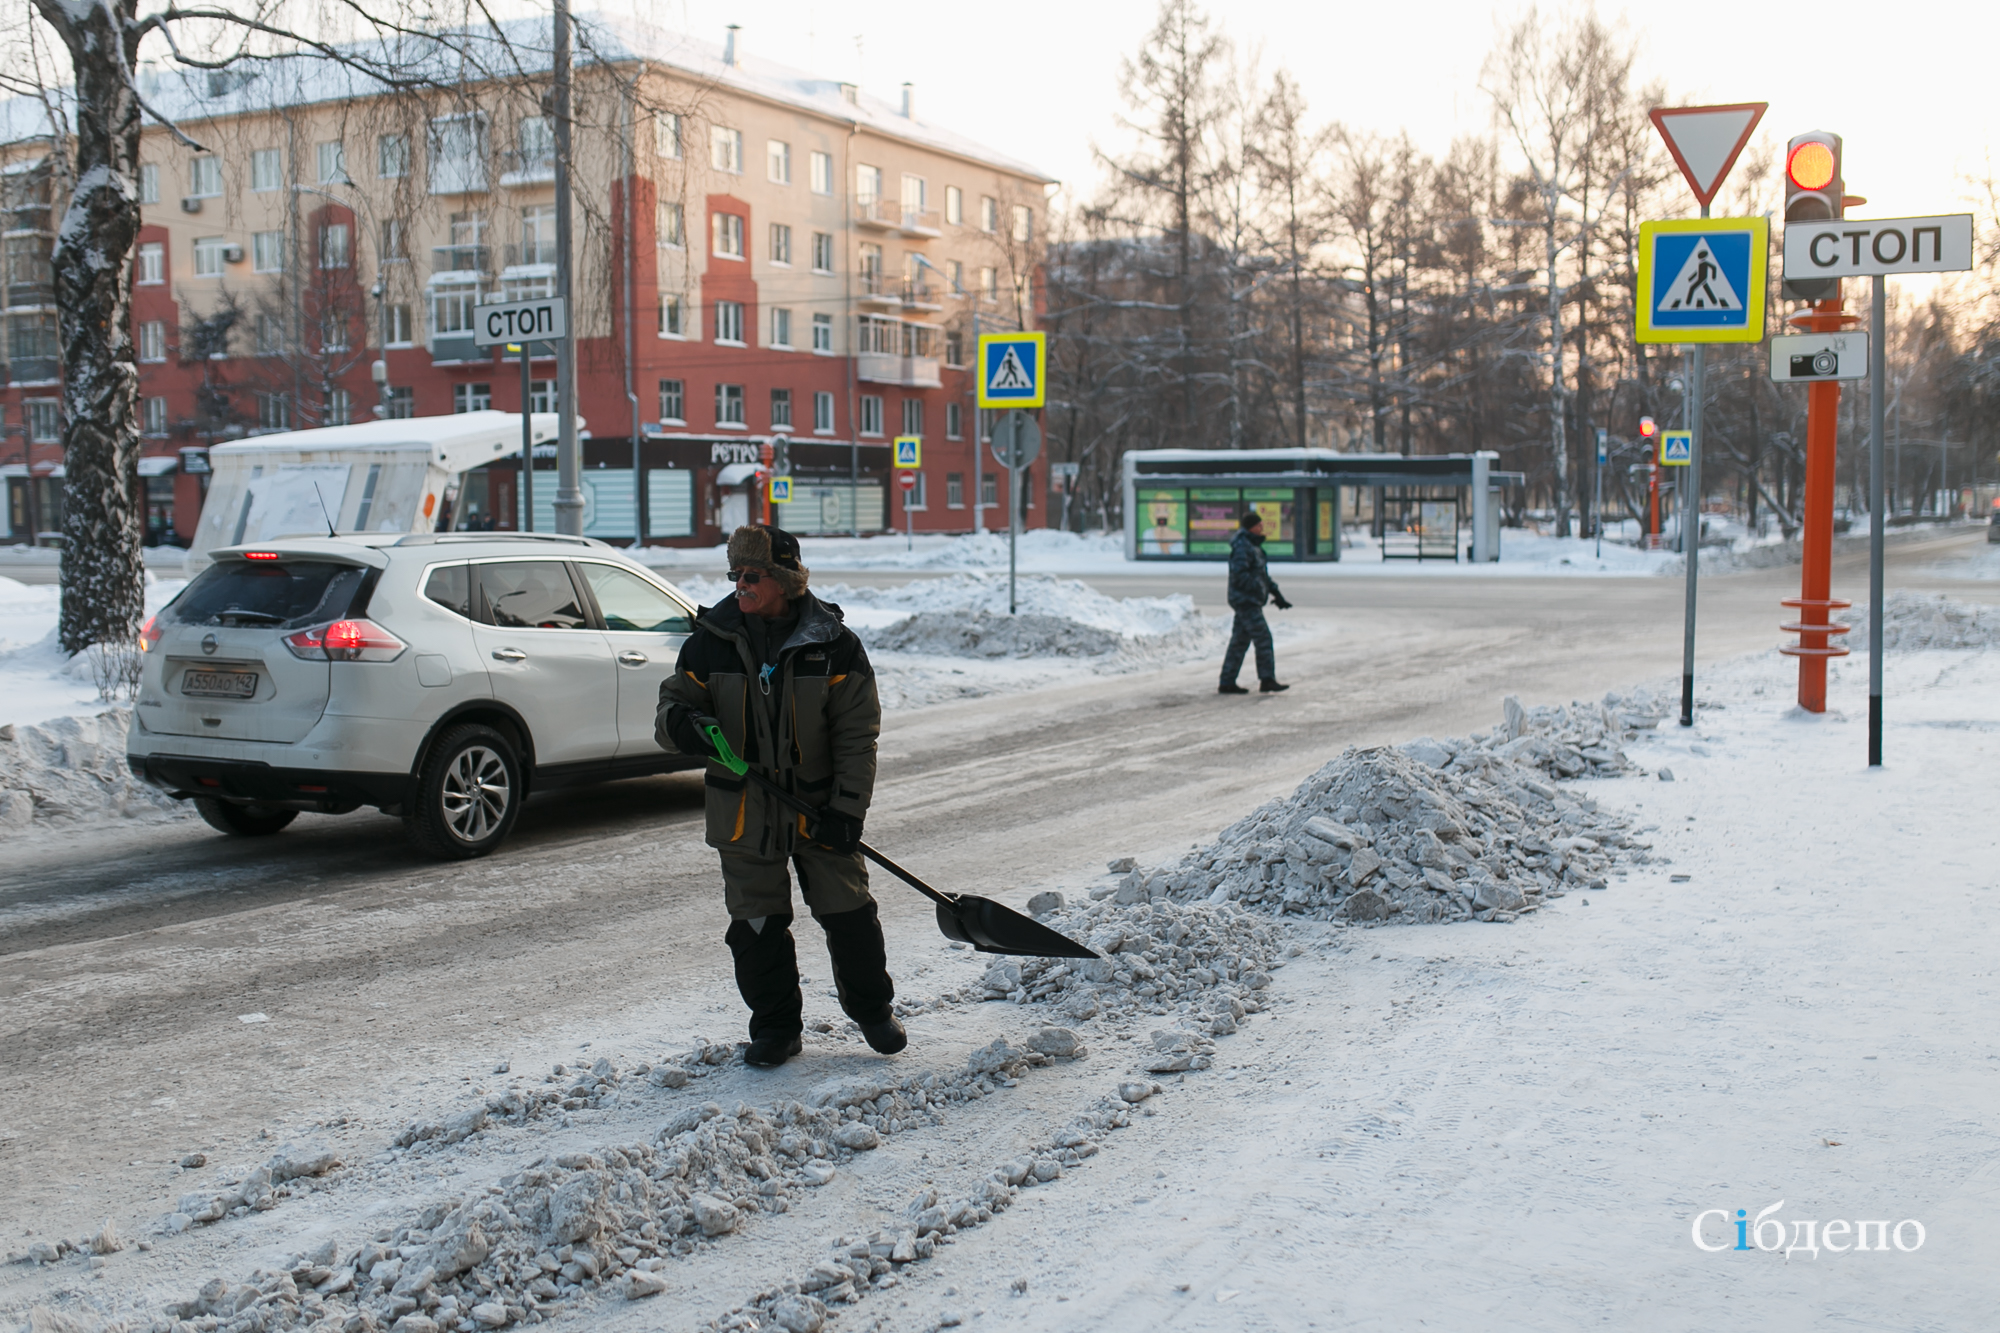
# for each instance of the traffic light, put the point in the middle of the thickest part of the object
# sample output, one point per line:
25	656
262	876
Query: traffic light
1814	192
1647	429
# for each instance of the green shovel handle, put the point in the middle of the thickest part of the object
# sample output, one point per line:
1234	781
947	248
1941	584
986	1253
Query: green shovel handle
723	754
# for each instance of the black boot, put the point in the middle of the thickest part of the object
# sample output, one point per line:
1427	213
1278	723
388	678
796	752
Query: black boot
1230	687
767	976
861	976
1269	687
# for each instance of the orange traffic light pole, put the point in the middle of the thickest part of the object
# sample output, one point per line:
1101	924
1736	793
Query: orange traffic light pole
1815	601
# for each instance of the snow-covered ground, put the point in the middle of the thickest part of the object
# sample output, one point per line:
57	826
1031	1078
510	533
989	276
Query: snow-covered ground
1978	564
37	680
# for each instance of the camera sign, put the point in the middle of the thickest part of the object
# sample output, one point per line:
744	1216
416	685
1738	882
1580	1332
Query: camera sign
1819	356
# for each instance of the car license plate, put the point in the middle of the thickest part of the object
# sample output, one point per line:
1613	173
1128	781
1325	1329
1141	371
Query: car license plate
220	684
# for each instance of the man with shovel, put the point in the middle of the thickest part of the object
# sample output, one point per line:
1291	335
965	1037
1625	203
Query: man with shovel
787	687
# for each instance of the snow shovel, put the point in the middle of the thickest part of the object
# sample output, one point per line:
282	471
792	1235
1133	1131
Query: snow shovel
986	925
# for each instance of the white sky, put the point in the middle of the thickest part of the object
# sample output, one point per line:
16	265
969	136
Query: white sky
1039	80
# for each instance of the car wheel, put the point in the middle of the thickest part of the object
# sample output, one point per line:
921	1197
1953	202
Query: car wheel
468	794
245	821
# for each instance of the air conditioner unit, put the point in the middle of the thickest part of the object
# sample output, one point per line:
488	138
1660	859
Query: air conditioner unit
191	203
233	253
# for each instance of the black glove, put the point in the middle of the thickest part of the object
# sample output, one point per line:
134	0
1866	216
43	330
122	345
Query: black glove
838	832
685	729
1278	600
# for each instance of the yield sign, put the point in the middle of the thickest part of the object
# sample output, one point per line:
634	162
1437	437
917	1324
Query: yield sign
1706	139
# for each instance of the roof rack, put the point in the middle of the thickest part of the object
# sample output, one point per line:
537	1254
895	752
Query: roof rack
441	538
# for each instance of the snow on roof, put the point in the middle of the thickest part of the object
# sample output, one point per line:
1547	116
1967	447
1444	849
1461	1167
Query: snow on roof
515	47
405	433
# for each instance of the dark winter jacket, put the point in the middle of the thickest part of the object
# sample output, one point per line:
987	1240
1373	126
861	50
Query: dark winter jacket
813	730
1250	584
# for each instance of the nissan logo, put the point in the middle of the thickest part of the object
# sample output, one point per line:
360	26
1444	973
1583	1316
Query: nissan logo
209	644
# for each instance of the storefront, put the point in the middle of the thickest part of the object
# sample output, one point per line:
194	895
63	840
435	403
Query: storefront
1186	504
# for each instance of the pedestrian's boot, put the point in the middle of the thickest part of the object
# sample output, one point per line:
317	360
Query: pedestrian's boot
861	976
1230	687
1269	687
767	976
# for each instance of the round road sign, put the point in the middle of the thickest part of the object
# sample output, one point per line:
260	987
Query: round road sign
907	479
1017	439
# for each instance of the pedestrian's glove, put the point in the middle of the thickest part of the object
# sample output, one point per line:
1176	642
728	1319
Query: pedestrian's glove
1278	600
841	833
688	730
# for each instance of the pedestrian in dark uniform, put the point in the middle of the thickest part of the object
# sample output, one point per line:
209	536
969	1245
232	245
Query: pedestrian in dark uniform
791	688
1250	586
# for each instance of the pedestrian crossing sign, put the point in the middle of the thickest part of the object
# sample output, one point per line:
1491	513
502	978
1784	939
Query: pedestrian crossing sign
1676	447
781	490
1701	280
1011	369
909	451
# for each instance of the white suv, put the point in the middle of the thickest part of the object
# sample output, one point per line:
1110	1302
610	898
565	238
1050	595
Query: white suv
439	677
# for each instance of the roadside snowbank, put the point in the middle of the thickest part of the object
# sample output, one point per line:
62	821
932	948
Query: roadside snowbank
1914	622
37	679
1041	551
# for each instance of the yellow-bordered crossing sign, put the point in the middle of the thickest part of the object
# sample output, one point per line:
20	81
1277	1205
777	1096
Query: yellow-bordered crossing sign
909	451
1701	280
1013	369
781	490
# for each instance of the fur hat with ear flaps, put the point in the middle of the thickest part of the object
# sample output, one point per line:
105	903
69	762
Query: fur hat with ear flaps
755	546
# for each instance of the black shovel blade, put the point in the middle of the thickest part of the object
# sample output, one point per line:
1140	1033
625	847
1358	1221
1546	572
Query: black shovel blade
991	928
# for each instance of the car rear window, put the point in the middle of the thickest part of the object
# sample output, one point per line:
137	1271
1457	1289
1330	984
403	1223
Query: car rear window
280	594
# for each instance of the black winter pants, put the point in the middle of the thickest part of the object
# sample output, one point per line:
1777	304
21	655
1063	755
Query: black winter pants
1250	628
767	969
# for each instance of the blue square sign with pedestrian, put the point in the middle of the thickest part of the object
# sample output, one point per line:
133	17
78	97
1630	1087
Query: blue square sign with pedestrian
1702	280
1010	369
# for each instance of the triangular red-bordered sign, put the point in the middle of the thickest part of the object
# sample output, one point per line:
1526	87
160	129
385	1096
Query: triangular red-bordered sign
1705	140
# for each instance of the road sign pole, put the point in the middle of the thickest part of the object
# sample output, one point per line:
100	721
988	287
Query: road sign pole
1877	524
1013	525
1691	537
527	446
1597	496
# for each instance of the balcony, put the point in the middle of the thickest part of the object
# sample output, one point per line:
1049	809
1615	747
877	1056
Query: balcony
880	292
31	294
529	169
461	259
890	215
34	369
456	348
530	253
908	372
920	295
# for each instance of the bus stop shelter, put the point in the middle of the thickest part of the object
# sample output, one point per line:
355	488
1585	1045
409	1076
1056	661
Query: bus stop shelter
1185	504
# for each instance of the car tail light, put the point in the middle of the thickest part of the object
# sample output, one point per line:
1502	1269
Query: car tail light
260	555
346	641
149	634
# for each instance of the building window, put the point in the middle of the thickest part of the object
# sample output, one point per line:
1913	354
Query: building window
538	234
954	271
541	396
871	414
989	284
779	162
913	416
823	333
725	149
396	331
954	421
671	317
666	134
149	184
954	205
989	490
822	173
534	145
451	311
781	409
205	177
210	253
954	349
267	335
781	243
954	489
822	252
471	397
153	340
333	163
871	268
673	402
729	405
729	322
152	264
671	227
333	331
822	413
914	497
267	169
1024	224
333	245
401	403
916	195
781	327
395	241
989	213
45	420
728	235
267	251
867	184
392	155
274	411
339	407
156	416
458	154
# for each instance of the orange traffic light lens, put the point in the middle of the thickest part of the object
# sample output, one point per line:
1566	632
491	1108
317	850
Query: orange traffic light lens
1646	427
1811	166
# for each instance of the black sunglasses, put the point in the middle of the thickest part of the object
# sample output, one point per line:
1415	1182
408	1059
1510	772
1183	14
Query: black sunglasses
749	578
